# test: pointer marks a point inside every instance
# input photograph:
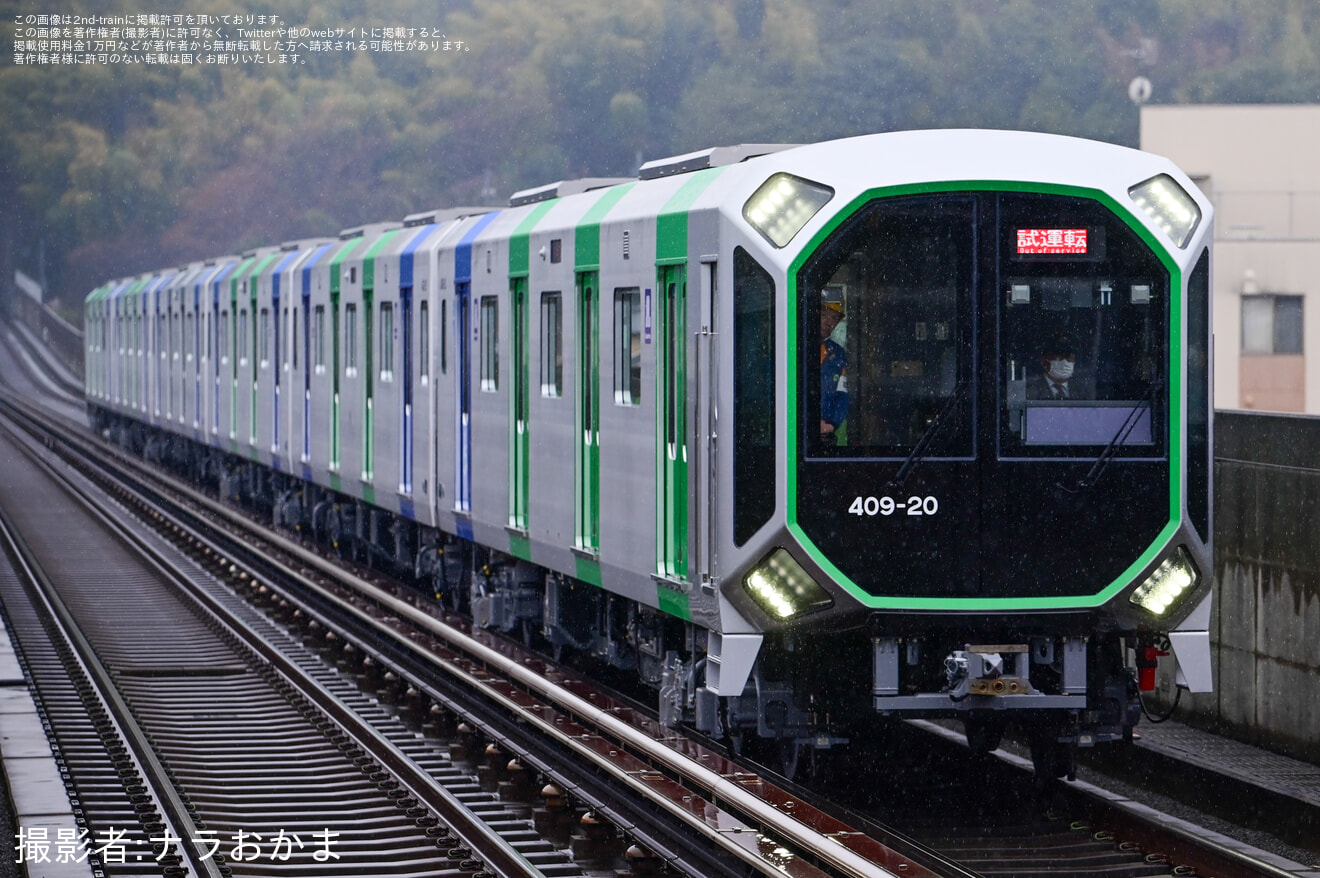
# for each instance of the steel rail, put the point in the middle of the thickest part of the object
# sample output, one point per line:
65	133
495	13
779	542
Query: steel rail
468	828
830	849
166	796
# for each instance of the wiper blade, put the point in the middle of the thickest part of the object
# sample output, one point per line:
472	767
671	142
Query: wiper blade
1101	463
918	453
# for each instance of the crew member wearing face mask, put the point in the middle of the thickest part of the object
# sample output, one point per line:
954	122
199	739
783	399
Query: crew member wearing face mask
1057	378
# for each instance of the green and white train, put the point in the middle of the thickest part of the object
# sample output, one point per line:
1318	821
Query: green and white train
606	416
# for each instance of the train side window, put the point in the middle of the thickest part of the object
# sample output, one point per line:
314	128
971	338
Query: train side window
490	344
350	339
424	338
552	345
386	341
1199	452
265	338
318	338
444	337
628	346
754	397
242	336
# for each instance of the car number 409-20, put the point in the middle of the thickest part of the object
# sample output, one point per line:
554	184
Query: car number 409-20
888	506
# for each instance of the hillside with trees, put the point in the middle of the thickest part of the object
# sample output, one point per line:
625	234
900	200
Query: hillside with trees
111	170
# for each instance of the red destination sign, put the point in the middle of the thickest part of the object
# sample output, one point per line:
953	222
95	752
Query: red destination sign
1047	242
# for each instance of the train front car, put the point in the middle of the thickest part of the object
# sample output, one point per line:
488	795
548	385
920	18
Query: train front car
995	417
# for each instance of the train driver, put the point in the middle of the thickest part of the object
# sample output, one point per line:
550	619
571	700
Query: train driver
833	367
1059	377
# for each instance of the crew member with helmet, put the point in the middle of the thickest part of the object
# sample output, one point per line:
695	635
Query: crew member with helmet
833	367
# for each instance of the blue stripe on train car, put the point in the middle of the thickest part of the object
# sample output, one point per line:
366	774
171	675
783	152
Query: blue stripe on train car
407	256
464	527
463	252
406	509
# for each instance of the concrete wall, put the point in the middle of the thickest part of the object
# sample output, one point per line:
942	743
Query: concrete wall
1265	632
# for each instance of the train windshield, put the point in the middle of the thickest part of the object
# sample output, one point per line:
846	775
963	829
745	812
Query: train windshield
887	342
1082	329
923	315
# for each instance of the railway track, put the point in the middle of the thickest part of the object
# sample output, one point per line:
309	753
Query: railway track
694	816
187	730
638	781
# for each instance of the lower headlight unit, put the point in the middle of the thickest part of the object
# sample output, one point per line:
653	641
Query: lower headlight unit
782	588
1170	581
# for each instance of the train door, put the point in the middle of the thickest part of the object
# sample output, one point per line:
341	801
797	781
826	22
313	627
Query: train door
259	322
214	339
671	423
146	348
518	405
196	333
140	349
706	365
168	354
309	358
406	409
275	360
587	507
157	350
369	386
463	375
185	358
113	374
178	354
334	366
235	332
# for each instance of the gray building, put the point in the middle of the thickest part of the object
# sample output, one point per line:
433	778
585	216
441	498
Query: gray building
1258	165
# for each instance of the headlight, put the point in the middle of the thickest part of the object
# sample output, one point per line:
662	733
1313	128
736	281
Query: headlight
1162	589
783	205
782	588
1168	206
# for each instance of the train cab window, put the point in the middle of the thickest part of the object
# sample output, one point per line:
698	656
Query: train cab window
886	332
1083	317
